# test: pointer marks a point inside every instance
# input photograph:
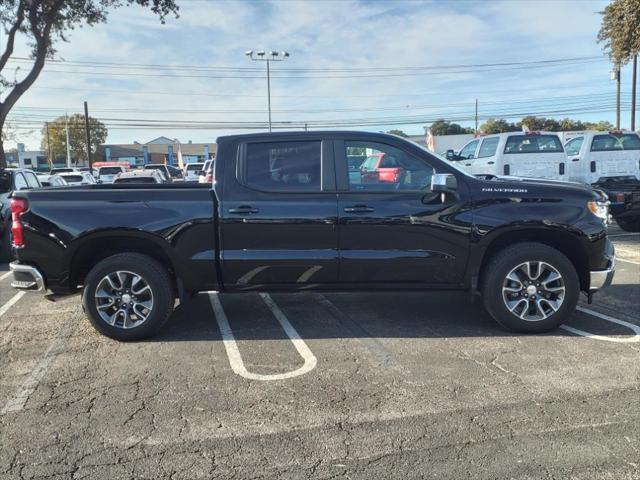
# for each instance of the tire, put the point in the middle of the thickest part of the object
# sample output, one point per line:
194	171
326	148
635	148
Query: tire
629	224
531	312
114	279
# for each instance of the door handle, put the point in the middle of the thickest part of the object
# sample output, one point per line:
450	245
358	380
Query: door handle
243	210
491	163
358	209
467	164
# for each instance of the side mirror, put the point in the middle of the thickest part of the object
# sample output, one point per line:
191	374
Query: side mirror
443	183
450	155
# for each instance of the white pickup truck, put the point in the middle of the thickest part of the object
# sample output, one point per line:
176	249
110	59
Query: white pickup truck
522	154
595	157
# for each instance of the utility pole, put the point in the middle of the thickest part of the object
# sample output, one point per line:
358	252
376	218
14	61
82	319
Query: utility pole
476	117
66	127
615	75
49	156
273	56
88	134
634	81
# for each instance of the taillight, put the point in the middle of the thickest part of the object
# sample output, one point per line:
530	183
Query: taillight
209	177
18	207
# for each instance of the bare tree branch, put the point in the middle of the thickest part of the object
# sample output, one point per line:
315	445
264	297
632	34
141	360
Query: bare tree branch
12	36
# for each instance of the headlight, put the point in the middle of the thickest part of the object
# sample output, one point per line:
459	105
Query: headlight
599	209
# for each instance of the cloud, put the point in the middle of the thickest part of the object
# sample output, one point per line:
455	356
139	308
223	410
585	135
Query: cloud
322	35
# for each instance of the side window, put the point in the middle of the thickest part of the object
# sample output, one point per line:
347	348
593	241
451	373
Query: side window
488	147
32	180
20	182
573	146
387	168
469	150
282	166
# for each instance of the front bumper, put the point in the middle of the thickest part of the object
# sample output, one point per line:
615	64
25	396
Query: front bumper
26	277
599	279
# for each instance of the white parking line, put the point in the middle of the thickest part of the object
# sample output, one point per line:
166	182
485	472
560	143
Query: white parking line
623	234
4	308
233	352
5	275
18	402
618	259
604	338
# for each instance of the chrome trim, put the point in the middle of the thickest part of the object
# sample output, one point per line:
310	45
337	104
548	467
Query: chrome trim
38	279
599	279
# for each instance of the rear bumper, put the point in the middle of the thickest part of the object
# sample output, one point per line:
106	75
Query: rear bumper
26	277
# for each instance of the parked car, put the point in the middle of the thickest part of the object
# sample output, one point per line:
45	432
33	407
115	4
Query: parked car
170	172
78	178
283	215
522	154
192	171
47	180
206	176
595	157
610	161
108	173
11	180
140	176
58	170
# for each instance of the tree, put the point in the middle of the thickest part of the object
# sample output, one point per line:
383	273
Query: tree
620	30
77	137
43	22
442	127
493	125
400	133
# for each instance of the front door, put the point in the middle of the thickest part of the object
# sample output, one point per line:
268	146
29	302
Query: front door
278	216
395	230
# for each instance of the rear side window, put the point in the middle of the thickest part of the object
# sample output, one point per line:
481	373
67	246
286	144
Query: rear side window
20	182
573	146
533	144
32	180
609	143
488	147
283	166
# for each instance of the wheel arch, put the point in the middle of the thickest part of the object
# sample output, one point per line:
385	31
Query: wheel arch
99	246
566	243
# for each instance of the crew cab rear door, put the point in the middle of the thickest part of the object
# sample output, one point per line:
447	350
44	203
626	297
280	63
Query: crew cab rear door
395	232
278	214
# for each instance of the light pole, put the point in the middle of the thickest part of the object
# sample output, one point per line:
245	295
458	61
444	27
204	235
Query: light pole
272	56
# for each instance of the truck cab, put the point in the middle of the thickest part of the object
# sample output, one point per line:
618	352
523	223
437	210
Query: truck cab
596	157
520	154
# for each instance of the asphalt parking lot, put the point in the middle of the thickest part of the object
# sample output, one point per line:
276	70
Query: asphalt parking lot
375	385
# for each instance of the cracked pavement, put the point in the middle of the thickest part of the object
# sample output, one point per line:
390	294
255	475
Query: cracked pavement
409	385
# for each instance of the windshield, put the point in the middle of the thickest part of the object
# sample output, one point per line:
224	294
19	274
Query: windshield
444	160
110	170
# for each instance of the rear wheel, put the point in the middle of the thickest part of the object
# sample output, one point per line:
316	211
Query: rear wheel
629	224
128	296
530	287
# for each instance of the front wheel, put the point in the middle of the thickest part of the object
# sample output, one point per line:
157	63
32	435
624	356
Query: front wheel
128	296
530	287
629	224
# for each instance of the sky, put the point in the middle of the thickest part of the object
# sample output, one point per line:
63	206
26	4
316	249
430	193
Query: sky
382	64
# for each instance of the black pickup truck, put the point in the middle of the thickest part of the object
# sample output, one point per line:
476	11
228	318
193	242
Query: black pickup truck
286	214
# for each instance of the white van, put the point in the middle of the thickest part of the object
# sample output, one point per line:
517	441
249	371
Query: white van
520	154
594	157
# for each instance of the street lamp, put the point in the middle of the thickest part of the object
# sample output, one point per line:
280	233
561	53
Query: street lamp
268	57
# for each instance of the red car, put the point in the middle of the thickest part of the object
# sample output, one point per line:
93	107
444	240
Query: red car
380	168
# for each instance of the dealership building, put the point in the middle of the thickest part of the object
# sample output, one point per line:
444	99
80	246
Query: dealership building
158	150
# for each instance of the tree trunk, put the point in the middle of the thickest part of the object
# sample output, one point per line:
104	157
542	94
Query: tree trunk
3	158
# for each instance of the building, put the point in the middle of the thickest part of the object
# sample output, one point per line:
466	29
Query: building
158	150
33	159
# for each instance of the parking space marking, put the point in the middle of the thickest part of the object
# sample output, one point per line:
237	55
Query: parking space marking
588	311
12	301
5	275
36	375
233	352
618	259
623	234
